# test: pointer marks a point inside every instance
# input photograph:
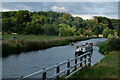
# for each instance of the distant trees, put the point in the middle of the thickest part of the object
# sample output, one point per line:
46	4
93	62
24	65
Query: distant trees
106	32
65	30
53	23
118	29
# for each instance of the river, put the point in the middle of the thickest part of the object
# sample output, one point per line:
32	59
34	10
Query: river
15	66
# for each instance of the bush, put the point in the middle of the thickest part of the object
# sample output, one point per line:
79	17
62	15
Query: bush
112	44
102	48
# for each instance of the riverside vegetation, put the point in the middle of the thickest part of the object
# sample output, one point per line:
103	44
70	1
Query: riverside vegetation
24	45
112	44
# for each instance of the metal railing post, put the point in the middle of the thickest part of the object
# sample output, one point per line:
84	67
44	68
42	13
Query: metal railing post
68	65
44	75
58	70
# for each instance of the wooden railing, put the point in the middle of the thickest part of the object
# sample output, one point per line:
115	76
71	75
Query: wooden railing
79	62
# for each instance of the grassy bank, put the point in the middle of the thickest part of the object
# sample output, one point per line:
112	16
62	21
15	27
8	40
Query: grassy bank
107	68
32	37
25	45
111	44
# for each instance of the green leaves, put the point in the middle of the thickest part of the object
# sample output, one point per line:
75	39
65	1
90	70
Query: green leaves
112	44
53	23
106	32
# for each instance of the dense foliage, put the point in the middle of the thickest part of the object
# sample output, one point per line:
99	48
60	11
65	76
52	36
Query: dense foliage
56	23
112	44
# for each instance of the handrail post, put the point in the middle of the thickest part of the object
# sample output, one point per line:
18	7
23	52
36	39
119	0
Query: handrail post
75	64
81	61
68	65
58	70
44	75
85	59
89	60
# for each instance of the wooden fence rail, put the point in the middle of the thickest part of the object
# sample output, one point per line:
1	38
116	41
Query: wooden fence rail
79	64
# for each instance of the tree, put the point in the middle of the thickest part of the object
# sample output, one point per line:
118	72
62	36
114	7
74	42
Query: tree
106	32
65	30
7	23
80	31
87	33
118	29
50	30
54	23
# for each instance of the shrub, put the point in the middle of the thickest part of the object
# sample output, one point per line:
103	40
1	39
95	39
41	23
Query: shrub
112	44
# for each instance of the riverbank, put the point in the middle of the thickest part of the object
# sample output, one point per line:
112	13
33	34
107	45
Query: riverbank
17	46
111	44
107	68
31	37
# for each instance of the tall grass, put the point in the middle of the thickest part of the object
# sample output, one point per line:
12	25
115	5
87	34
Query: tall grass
23	45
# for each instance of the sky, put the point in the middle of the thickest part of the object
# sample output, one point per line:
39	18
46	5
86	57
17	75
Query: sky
86	10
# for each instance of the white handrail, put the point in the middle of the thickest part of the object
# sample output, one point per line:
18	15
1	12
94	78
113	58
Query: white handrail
57	74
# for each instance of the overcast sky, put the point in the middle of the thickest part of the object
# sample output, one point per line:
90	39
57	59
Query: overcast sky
86	10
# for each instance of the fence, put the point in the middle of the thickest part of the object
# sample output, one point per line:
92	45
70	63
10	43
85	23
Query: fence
79	62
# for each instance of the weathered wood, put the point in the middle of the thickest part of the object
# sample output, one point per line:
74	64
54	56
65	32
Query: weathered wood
57	71
44	75
68	65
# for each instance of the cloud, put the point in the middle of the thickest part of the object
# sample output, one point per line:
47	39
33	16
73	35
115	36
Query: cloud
60	0
90	16
60	9
6	10
9	6
86	10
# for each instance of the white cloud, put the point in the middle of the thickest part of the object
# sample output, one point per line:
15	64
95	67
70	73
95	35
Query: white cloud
90	16
6	10
55	8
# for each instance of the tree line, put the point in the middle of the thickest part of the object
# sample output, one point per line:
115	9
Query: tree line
57	23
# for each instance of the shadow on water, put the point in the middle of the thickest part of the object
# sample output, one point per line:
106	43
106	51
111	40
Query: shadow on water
16	66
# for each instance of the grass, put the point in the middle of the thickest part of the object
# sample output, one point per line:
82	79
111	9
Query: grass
32	37
107	68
